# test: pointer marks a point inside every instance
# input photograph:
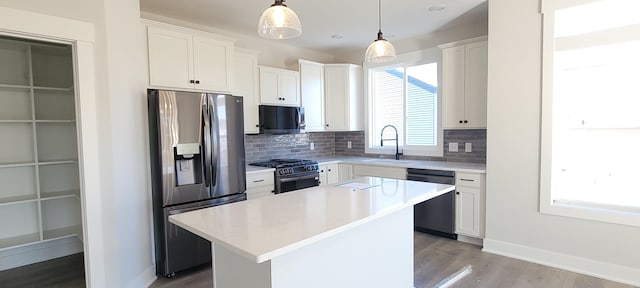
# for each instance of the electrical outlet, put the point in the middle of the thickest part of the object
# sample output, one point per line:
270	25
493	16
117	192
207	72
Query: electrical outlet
467	147
312	146
453	146
348	144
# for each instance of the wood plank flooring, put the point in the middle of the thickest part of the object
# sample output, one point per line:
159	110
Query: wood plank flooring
435	259
63	272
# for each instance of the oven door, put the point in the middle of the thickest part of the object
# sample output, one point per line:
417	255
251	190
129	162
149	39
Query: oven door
300	181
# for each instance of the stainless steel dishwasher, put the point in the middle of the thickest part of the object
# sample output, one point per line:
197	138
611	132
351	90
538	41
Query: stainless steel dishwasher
435	216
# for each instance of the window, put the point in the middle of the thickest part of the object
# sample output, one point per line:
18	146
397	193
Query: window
405	95
591	110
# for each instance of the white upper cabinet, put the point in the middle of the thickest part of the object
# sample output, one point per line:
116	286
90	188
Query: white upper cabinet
343	97
464	77
245	84
312	94
189	59
279	86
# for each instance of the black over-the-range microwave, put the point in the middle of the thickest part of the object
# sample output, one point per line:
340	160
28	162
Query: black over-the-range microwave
281	119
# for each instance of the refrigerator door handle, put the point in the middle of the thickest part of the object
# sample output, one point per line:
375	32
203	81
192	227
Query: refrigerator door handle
213	123
206	130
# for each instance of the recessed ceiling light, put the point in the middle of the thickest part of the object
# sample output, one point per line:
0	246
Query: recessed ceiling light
337	36
437	8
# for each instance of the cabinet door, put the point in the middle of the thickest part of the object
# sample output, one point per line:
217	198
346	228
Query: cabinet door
453	87
332	174
468	211
245	84
345	172
269	86
212	64
323	175
379	171
289	87
170	58
336	91
312	94
475	104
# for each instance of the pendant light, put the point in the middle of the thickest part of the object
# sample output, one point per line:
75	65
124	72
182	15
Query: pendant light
279	22
380	50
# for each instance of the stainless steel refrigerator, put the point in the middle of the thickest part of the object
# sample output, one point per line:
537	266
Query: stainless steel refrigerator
197	161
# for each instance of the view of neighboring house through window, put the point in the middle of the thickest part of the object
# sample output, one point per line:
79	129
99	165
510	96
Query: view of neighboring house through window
591	110
405	96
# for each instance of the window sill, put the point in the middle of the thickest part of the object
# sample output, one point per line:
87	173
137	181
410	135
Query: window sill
590	211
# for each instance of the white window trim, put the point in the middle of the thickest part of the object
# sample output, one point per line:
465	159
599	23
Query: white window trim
419	57
567	208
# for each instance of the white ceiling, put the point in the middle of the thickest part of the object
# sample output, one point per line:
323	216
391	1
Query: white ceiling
355	20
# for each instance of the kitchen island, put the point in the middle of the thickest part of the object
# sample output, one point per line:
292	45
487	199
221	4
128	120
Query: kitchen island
354	234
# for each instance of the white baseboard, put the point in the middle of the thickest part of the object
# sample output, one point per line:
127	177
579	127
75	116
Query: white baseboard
38	252
145	279
581	265
470	240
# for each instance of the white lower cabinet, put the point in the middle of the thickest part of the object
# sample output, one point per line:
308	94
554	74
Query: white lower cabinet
379	171
329	174
259	185
470	201
345	172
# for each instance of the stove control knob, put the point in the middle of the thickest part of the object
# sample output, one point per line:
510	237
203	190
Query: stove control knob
281	172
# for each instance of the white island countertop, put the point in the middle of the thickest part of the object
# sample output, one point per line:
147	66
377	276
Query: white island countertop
265	228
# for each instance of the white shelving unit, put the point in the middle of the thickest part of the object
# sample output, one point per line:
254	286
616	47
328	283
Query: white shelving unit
40	191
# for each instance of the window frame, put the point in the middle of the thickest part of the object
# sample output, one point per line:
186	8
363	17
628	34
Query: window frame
547	204
424	56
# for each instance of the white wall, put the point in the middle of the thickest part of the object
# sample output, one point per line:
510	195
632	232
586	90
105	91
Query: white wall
123	146
513	224
434	39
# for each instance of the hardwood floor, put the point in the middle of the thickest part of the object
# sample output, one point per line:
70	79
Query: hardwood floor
64	272
435	259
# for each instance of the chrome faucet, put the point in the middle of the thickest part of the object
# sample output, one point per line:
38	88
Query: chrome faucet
396	139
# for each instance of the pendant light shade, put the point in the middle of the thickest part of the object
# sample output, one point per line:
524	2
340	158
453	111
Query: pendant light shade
380	50
279	22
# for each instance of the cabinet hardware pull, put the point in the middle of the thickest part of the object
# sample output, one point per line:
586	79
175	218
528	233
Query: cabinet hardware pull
457	193
192	81
460	121
465	121
329	170
469	180
327	125
256	181
197	81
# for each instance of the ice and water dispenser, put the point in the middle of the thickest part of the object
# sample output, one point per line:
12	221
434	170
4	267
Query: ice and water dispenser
188	164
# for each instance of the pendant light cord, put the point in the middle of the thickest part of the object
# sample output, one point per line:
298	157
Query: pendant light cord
379	16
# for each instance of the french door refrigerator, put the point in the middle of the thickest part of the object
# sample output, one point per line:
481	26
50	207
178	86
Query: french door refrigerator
197	161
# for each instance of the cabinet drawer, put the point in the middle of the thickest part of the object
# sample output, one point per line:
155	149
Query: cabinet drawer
259	180
468	180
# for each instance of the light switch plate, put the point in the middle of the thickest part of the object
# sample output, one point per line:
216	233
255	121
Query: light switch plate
312	146
467	147
348	144
453	146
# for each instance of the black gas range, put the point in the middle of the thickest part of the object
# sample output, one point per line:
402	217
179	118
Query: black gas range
292	174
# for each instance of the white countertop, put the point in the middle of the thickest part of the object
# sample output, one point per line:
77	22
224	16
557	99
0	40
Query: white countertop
437	165
264	228
257	169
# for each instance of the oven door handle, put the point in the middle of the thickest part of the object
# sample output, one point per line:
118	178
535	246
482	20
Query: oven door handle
301	177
